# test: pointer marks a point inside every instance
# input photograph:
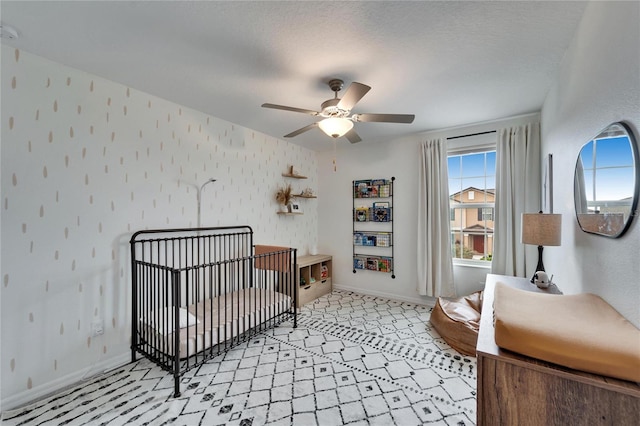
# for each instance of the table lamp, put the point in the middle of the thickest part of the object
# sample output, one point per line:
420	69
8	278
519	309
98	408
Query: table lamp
541	229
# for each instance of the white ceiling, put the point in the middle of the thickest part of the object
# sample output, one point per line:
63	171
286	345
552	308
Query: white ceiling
450	63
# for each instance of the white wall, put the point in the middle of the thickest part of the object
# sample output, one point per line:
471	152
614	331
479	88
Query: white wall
599	83
397	158
85	163
335	224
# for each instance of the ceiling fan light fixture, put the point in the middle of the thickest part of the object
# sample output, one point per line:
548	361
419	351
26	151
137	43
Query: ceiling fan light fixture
336	127
334	116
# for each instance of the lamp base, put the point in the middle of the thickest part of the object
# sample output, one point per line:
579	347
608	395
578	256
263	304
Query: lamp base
539	266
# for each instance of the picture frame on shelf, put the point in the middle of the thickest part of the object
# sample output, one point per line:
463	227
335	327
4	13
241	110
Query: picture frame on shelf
295	207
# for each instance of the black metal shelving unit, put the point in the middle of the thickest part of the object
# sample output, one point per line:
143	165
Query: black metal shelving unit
373	225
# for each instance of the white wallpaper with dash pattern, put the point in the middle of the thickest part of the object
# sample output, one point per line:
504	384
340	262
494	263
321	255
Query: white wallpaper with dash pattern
85	163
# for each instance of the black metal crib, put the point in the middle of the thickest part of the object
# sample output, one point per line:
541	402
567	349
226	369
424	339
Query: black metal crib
198	292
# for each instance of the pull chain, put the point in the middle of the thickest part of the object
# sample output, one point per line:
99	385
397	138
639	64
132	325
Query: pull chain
335	150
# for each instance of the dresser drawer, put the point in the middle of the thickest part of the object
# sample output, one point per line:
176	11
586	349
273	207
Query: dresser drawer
312	291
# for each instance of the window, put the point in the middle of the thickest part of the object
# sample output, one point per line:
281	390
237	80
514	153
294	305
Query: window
485	213
472	195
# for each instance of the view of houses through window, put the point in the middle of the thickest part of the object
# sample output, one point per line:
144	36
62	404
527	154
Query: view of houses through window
472	178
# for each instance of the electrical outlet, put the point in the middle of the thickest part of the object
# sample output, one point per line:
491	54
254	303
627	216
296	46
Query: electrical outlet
97	328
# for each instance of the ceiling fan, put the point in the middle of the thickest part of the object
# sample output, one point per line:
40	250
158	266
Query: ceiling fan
335	112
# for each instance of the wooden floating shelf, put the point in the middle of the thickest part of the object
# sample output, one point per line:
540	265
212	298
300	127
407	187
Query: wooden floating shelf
289	175
289	214
303	196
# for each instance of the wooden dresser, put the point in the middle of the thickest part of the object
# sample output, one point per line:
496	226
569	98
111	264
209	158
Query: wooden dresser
514	389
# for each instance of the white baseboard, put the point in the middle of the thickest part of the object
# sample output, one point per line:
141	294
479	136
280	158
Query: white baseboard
426	301
39	392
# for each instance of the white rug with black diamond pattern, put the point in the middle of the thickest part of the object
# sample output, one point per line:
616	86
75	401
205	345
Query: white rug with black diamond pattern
354	359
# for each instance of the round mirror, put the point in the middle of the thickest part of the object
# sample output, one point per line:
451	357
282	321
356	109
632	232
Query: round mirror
606	182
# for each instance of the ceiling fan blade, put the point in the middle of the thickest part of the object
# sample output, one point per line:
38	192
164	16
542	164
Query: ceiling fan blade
302	130
288	108
352	136
384	118
354	93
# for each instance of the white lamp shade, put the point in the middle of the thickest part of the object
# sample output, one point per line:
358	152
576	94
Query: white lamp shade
541	229
336	127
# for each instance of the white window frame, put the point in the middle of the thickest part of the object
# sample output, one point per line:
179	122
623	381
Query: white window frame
481	146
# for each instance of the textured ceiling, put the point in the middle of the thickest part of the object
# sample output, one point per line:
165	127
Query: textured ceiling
449	63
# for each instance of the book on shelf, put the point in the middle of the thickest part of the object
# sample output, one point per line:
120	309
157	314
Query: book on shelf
384	264
359	262
381	204
361	214
382	214
383	239
358	237
369	240
324	272
361	188
372	264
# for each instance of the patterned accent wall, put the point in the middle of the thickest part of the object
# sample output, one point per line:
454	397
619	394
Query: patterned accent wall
85	163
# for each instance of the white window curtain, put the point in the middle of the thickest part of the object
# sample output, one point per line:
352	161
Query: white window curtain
517	191
435	267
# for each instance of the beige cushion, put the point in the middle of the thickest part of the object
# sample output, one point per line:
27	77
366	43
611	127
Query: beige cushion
458	321
579	331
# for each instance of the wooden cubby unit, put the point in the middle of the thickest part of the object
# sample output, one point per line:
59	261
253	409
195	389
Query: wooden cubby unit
312	266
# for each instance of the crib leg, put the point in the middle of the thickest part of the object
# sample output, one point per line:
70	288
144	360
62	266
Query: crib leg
176	383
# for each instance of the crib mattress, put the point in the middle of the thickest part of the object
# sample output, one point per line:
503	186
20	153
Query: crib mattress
221	318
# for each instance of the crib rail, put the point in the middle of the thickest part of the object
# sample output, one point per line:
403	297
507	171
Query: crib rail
199	292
